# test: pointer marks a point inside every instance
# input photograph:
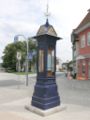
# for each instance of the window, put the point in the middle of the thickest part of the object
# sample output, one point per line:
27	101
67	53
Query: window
83	69
78	67
50	62
88	39
89	70
82	41
41	60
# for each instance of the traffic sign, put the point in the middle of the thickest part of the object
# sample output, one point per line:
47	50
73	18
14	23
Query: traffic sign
30	55
18	55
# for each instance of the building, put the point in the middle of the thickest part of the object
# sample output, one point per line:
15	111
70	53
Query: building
58	64
64	66
80	39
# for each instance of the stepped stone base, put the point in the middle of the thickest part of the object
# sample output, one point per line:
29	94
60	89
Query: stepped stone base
45	112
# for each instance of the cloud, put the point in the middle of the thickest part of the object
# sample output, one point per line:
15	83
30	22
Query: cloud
25	17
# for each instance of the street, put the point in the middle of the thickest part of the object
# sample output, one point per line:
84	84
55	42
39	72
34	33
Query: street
72	93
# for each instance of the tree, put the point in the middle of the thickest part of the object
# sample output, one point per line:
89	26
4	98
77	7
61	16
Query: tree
69	65
10	51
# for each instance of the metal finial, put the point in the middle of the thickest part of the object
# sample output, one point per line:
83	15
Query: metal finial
47	23
47	14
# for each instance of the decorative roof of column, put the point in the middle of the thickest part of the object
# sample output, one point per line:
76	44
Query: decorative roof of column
47	29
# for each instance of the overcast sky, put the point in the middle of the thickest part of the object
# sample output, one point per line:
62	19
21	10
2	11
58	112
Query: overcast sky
26	16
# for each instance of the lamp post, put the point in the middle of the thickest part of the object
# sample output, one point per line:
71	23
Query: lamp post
15	39
0	63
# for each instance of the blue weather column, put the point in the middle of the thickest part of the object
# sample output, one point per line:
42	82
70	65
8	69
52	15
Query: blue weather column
45	94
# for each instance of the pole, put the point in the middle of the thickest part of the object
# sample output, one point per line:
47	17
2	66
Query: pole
19	68
26	56
27	64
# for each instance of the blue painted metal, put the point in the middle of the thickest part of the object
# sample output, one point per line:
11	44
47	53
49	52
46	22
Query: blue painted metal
45	94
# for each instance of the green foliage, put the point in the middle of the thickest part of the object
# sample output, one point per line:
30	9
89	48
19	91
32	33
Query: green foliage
10	51
69	65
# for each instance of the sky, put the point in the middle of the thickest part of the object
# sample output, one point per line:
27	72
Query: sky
26	16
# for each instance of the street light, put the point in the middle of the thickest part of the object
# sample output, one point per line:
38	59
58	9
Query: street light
15	39
0	62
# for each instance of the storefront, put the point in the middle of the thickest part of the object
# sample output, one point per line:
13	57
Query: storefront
83	69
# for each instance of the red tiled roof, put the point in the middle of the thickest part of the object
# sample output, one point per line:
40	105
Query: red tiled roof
85	20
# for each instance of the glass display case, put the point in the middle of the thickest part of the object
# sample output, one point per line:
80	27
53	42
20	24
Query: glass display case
50	62
41	60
